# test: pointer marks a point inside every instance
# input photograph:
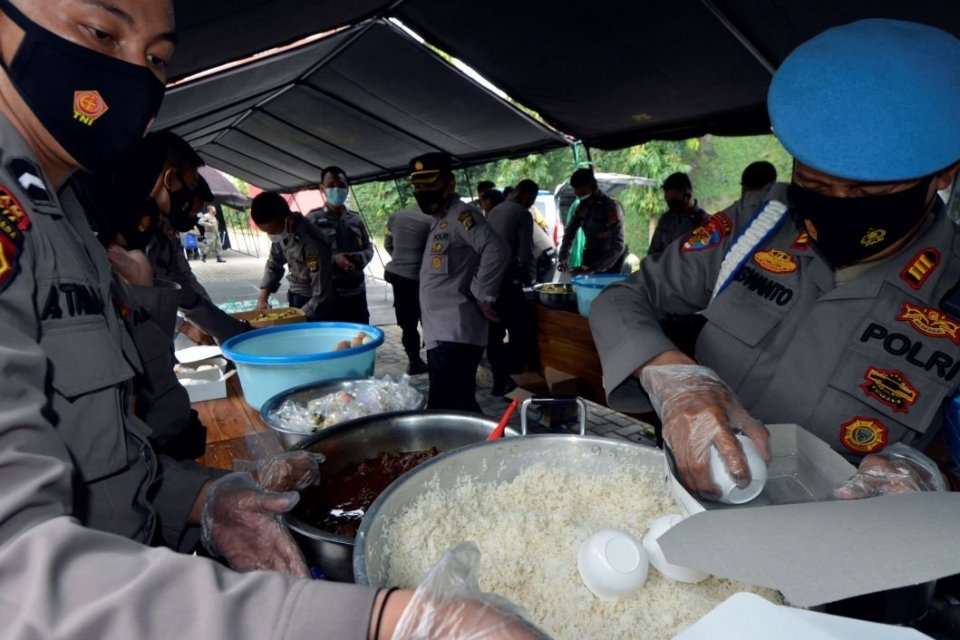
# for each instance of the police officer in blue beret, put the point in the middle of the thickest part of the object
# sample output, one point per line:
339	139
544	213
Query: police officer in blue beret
828	300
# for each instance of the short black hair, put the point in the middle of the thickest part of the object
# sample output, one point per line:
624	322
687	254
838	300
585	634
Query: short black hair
483	185
493	195
269	207
179	153
528	187
583	178
507	191
758	175
678	181
337	171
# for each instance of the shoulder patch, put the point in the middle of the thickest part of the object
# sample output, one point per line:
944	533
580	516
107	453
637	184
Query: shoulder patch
775	261
863	435
920	267
709	234
802	243
930	322
29	178
613	217
13	223
466	219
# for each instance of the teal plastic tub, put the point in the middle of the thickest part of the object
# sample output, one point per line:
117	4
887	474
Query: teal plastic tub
272	360
589	287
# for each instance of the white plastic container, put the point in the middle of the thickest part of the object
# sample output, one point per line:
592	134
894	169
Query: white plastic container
270	361
731	494
651	545
612	564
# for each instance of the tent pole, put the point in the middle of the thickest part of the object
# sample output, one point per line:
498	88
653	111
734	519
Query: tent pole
466	175
739	35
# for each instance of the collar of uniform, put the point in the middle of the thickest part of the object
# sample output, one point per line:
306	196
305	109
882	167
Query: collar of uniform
13	146
938	235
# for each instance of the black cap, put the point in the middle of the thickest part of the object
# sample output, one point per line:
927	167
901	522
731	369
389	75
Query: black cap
203	192
429	167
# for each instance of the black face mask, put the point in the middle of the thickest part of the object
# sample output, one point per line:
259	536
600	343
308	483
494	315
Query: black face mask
848	230
431	202
95	106
182	202
677	205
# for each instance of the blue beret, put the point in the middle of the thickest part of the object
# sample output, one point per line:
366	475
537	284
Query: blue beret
875	100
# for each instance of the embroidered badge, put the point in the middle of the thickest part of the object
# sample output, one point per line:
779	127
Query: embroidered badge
709	234
811	229
13	222
466	219
437	263
436	248
919	269
930	322
28	177
802	243
891	388
775	261
873	236
88	107
863	435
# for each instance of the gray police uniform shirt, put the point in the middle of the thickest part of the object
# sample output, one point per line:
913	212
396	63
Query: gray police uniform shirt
464	261
861	365
601	219
307	256
514	224
74	461
346	233
675	224
407	232
169	263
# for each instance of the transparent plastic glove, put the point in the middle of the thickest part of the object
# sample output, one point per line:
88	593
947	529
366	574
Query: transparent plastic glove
448	605
699	411
244	525
290	471
896	469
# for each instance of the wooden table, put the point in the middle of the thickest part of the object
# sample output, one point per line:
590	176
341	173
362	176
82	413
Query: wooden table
234	430
565	343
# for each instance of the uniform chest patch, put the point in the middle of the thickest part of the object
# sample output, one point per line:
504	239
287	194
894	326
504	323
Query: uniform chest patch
775	261
930	322
709	234
921	267
802	243
13	223
466	219
863	435
891	388
763	286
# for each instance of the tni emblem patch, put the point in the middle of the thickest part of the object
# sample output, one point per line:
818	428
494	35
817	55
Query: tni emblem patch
930	322
891	388
863	435
88	107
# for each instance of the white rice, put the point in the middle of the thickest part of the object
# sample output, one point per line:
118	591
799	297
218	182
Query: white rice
529	530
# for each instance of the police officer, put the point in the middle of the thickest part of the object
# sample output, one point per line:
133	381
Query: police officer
303	248
601	219
830	302
406	237
352	250
513	222
464	261
683	213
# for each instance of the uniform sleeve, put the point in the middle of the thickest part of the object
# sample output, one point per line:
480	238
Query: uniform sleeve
322	297
388	238
197	306
657	244
624	319
569	234
528	266
273	270
494	256
365	251
617	242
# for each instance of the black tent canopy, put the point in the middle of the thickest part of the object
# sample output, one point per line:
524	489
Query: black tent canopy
367	99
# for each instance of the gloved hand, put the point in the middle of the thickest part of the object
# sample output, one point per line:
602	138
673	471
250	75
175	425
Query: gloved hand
699	411
289	471
896	469
244	525
448	605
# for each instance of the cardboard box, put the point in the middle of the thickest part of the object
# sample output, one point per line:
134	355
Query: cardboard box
813	549
561	383
271	317
556	383
532	382
203	384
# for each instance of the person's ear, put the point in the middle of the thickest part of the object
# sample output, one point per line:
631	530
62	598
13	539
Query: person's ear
944	178
171	180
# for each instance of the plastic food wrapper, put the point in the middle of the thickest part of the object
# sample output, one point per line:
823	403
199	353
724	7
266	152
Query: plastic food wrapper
448	604
365	398
896	469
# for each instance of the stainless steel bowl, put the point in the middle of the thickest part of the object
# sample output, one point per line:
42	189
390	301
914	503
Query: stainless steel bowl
565	300
303	395
358	440
488	463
